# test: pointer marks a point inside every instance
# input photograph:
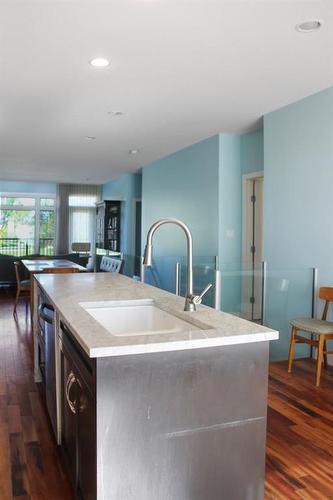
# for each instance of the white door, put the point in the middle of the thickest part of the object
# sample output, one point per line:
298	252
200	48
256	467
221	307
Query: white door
252	247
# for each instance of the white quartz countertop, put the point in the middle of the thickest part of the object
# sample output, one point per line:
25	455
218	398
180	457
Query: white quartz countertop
211	327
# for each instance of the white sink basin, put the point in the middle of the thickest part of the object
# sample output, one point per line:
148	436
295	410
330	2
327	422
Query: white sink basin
135	317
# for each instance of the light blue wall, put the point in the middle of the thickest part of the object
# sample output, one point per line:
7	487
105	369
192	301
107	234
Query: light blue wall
27	187
230	220
252	152
125	188
298	205
183	185
230	196
239	155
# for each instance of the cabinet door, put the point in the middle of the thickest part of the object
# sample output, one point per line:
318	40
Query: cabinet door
50	388
69	415
87	470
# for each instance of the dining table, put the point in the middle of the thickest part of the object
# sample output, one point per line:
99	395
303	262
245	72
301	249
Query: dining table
37	266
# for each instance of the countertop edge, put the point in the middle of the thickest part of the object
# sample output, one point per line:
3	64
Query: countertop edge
102	352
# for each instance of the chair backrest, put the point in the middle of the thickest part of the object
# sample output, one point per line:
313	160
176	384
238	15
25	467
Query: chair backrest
110	265
81	247
326	293
60	270
17	265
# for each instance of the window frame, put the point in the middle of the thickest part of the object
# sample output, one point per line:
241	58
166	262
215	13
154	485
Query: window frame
37	208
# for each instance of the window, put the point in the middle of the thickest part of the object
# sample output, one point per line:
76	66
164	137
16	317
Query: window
82	211
27	224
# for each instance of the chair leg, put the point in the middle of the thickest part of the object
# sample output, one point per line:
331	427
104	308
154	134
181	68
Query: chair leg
16	301
291	348
320	355
325	355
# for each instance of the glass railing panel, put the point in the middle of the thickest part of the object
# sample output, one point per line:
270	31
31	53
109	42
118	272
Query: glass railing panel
203	274
162	274
241	290
288	293
288	296
231	288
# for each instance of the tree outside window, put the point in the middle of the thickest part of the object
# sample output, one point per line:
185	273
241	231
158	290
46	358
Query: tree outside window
25	226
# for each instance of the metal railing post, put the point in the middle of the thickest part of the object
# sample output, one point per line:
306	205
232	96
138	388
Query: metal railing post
218	290
177	278
263	290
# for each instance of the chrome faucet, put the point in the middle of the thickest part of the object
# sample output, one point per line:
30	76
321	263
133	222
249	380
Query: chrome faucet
191	300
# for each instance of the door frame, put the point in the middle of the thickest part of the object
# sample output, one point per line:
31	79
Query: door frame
245	179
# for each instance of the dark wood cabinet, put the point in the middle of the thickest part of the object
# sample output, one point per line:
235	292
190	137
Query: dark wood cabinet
86	480
69	419
108	222
78	429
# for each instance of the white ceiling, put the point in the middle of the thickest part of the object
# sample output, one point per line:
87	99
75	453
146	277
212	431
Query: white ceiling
180	71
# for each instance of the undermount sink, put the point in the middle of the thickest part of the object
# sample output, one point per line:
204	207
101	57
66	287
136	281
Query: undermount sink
135	317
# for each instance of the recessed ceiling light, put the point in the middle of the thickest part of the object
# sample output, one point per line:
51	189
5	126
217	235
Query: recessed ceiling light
99	62
115	113
309	26
133	151
90	137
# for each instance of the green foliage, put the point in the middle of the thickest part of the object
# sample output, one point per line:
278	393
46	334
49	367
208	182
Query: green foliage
17	228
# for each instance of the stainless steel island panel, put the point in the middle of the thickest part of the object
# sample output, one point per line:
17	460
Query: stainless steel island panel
186	425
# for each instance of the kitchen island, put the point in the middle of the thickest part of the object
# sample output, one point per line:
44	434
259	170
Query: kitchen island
152	402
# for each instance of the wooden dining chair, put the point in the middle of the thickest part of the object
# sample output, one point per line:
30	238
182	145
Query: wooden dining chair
60	270
22	286
321	329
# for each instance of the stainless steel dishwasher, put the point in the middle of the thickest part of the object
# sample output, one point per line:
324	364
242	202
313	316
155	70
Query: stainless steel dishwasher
47	352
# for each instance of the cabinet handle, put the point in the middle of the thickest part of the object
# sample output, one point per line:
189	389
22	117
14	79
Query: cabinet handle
70	381
82	398
41	313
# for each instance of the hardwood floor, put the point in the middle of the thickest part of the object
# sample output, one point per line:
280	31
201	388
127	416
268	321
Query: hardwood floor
299	438
30	464
299	460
